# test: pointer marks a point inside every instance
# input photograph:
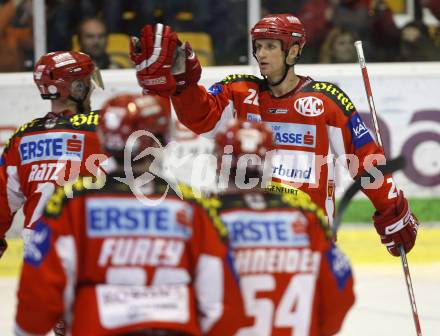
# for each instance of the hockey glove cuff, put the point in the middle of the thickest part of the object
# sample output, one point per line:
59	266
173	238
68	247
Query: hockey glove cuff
186	67
397	225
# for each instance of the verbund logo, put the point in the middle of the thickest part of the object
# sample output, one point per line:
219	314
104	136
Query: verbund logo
298	166
309	106
51	146
290	134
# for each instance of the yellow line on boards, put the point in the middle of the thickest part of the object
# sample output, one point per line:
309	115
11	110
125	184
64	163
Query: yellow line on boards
361	245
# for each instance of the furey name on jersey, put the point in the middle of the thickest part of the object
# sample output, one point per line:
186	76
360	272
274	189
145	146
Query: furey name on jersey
153	235
132	233
51	146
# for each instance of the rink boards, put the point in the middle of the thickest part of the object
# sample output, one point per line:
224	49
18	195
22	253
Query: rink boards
359	242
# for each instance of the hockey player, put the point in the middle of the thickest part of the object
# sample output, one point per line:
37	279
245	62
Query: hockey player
311	120
112	265
294	280
49	150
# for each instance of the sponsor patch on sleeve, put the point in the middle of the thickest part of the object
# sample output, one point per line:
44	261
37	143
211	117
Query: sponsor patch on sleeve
359	131
215	89
38	245
339	266
2	161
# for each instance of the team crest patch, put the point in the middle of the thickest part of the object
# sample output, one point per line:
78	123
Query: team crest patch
215	89
359	131
309	106
38	245
339	266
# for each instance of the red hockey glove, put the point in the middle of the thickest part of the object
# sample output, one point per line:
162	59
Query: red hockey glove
153	56
186	68
397	226
3	246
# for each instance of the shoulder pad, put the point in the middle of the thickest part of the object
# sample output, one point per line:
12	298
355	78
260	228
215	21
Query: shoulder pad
81	121
333	92
62	194
241	78
28	127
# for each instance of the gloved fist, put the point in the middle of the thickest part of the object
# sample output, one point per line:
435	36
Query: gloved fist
186	68
397	226
3	246
153	56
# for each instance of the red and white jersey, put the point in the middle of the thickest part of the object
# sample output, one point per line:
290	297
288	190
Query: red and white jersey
109	265
37	155
294	280
309	124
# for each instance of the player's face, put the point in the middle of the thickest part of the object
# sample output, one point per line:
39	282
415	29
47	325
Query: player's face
270	57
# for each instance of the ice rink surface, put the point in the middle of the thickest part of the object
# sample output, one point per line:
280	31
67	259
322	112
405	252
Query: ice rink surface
382	306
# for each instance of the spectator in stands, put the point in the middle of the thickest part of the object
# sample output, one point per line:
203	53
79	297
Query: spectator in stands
315	15
92	37
416	44
121	16
384	35
62	19
15	35
351	15
338	47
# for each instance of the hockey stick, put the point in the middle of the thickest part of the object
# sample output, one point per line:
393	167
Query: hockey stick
412	299
390	167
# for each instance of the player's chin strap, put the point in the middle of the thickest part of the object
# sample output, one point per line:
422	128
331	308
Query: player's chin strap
390	167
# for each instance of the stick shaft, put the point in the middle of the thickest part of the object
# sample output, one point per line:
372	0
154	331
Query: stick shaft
361	57
412	299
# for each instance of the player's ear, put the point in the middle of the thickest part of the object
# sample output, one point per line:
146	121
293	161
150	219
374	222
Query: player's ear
292	55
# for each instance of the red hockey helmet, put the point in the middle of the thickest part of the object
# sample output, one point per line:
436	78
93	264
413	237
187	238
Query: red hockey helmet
125	114
64	74
284	27
244	137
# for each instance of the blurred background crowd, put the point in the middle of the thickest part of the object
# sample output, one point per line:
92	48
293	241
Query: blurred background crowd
218	30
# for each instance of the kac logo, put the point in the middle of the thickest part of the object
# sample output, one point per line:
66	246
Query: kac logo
309	106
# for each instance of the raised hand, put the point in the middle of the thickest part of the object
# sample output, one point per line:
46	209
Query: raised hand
153	55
